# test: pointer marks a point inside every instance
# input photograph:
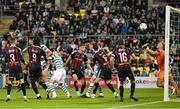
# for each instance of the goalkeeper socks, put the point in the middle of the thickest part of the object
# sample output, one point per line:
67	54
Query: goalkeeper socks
121	88
76	86
9	89
43	85
95	88
99	88
83	87
132	89
23	89
90	87
110	87
35	88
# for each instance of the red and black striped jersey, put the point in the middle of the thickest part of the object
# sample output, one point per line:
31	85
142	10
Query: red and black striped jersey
122	55
14	55
77	60
35	53
101	57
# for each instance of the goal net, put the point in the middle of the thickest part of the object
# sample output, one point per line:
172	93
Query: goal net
172	51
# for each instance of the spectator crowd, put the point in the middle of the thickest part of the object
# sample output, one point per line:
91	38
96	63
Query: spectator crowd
98	18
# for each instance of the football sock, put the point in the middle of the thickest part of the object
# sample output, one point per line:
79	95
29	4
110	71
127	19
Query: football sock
34	87
99	88
76	85
43	85
23	89
95	88
132	89
9	89
50	87
121	88
90	87
64	89
83	87
110	87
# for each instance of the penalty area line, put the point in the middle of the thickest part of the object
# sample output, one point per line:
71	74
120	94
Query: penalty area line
141	104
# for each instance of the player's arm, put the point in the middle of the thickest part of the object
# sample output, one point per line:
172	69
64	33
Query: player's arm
6	57
112	62
44	55
49	53
25	50
69	59
154	53
21	58
88	63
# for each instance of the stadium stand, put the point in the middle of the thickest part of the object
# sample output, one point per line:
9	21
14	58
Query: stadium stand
89	17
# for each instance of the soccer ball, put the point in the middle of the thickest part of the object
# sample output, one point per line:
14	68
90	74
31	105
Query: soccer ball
143	26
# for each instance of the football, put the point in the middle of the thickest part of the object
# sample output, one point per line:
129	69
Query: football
143	26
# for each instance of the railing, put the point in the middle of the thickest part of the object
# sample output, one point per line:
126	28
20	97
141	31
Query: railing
13	9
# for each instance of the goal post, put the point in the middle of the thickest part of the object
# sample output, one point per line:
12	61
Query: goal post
170	28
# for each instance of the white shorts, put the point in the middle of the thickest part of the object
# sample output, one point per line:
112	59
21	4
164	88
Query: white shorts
96	72
59	76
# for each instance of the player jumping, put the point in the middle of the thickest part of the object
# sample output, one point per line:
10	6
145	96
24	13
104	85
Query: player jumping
159	54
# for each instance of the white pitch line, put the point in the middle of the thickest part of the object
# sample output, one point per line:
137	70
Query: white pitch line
142	104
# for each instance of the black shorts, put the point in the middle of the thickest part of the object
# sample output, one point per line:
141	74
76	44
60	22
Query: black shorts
105	74
35	71
125	71
79	73
15	71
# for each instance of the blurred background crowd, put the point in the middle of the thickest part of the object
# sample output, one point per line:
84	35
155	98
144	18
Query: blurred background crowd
100	20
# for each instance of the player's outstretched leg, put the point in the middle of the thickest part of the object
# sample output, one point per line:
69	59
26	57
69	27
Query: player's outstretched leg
132	91
8	92
83	85
51	91
43	84
23	87
100	91
111	88
34	87
91	85
65	90
95	89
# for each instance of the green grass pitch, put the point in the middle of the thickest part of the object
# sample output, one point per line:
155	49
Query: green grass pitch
148	98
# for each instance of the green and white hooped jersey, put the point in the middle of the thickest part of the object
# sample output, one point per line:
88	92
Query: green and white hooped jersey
58	61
